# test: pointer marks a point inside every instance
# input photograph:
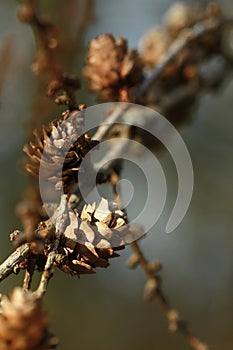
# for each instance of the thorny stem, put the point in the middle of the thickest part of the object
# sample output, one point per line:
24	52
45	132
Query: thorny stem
174	321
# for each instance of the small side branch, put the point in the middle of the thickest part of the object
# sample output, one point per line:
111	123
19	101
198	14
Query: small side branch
12	262
45	278
113	117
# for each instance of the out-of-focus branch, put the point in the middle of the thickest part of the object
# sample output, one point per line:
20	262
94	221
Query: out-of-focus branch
61	88
154	291
5	59
113	117
181	93
186	38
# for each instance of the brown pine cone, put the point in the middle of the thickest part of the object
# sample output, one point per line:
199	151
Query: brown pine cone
182	15
58	150
23	324
112	69
91	238
155	45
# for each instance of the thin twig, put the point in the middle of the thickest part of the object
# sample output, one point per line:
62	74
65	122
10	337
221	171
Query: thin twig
45	278
108	161
47	63
29	272
154	291
113	117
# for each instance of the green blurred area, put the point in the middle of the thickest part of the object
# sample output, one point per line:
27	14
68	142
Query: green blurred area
106	310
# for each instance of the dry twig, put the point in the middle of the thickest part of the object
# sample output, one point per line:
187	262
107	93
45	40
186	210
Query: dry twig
154	291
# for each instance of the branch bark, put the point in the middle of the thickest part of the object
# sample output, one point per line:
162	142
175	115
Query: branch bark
12	262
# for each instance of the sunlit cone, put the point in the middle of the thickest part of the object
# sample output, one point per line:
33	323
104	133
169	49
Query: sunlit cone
112	70
23	324
92	237
50	156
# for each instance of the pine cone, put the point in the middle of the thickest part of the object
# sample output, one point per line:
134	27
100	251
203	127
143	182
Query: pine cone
92	237
155	45
23	324
112	69
182	73
182	15
58	150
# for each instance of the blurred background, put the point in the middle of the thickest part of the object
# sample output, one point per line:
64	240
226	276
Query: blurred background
106	310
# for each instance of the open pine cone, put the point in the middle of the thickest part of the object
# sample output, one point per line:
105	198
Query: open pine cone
112	69
23	324
59	150
92	237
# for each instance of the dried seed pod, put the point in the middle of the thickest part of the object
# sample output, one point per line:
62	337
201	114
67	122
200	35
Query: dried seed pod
112	70
23	324
59	150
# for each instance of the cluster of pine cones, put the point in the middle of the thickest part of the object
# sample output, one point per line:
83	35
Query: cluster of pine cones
112	70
